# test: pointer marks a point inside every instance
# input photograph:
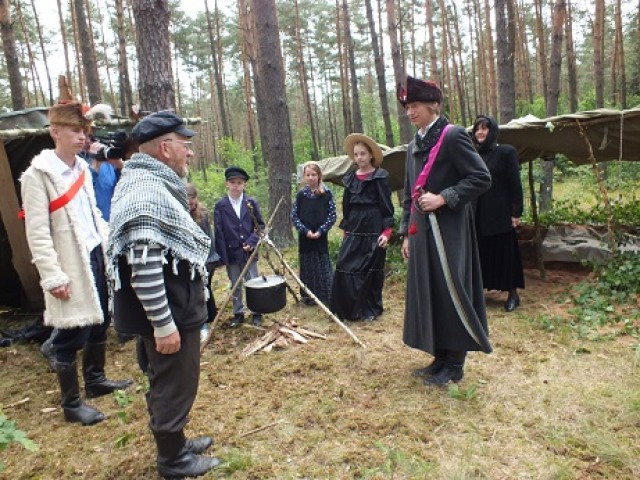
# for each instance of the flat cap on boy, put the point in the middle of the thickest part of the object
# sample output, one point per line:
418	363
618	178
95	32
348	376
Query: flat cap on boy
235	172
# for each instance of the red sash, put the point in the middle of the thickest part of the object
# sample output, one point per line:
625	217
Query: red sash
63	199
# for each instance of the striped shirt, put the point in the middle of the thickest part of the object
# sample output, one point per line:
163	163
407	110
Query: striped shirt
147	280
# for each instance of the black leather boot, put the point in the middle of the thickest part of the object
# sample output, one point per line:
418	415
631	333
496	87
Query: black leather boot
75	410
452	371
198	445
96	383
433	368
175	460
513	301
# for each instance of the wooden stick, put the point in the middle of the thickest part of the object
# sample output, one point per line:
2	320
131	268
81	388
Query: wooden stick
240	278
259	429
312	295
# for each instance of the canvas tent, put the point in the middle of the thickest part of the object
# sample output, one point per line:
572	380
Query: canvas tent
612	134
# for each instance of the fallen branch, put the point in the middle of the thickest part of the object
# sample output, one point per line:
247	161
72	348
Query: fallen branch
280	335
259	429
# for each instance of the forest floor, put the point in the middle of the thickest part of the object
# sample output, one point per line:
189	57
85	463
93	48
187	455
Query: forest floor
549	403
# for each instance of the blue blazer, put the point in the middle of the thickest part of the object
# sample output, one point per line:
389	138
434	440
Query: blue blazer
232	233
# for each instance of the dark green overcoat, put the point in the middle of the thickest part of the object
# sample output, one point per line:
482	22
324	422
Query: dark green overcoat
431	320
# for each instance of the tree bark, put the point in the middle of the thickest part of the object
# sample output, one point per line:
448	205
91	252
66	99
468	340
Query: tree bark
572	73
12	58
433	54
275	134
153	47
44	52
344	81
224	122
65	45
493	94
89	63
355	96
598	52
35	76
620	61
542	52
406	135
302	75
382	83
505	44
246	74
559	14
126	93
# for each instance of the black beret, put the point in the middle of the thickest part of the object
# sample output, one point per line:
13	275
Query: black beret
235	172
416	90
159	123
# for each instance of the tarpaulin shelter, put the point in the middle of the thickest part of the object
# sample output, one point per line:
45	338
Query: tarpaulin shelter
612	134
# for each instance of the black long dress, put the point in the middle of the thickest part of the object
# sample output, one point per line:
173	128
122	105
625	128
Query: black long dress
359	277
315	213
497	240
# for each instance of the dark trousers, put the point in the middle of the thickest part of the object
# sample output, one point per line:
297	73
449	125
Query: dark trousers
173	382
67	341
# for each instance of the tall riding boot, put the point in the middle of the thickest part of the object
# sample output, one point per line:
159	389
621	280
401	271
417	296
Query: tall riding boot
453	369
176	460
434	367
96	383
75	410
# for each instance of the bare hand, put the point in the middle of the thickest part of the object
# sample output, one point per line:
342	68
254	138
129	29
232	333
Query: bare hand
383	241
430	202
169	344
313	235
62	292
515	222
405	248
247	248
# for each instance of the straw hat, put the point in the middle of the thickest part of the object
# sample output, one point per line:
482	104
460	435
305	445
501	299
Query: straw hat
354	138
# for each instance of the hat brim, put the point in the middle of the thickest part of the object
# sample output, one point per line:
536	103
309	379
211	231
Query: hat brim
184	131
354	138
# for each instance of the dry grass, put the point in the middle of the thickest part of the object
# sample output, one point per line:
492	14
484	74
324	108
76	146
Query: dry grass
546	404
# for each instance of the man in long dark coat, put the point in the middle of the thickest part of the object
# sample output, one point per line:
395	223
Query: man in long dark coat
445	312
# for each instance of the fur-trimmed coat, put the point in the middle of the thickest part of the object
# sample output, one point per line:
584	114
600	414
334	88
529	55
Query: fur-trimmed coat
57	245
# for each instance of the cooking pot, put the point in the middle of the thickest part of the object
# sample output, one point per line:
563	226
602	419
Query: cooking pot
266	294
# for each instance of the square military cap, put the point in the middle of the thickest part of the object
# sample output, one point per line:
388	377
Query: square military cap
158	124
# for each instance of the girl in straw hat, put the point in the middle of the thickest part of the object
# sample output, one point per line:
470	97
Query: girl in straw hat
367	222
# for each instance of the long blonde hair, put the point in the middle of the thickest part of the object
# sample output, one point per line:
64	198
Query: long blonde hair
316	168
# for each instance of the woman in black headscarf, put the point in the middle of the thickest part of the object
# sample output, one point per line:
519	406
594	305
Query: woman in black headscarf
498	213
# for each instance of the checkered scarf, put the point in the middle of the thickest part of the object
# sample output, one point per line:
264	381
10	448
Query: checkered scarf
150	206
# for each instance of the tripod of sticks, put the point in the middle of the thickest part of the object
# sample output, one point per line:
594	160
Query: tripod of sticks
265	240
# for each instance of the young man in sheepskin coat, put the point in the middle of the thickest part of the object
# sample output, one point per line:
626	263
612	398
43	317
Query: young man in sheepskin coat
66	233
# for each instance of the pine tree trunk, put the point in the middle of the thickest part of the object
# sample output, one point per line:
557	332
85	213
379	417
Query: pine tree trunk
344	81
555	67
524	56
65	46
483	71
406	135
302	75
220	80
542	53
126	93
457	75
76	46
493	94
114	99
598	52
572	74
382	83
37	84
224	122
89	63
275	134
42	49
246	77
505	45
12	58
153	47
620	62
355	96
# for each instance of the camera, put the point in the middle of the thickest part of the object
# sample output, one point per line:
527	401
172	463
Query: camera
115	145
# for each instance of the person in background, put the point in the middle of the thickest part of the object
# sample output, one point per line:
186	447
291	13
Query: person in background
313	214
498	213
238	223
444	307
367	222
157	263
66	233
200	215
